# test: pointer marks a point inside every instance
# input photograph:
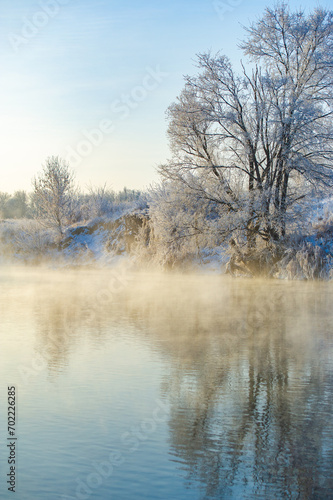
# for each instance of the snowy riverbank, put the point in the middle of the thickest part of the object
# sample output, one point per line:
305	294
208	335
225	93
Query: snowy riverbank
102	241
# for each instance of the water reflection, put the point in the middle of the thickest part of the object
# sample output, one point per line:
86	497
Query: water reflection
250	384
66	311
249	374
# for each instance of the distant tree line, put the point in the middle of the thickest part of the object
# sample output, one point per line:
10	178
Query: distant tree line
15	206
56	201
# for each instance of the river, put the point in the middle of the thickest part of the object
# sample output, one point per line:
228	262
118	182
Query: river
136	386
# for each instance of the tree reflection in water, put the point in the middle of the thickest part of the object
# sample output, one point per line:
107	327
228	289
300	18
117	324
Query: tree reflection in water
250	383
249	375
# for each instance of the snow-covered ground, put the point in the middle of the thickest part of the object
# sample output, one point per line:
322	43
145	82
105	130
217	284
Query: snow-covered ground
98	242
103	241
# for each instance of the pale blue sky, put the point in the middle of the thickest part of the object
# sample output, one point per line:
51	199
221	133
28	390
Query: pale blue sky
69	67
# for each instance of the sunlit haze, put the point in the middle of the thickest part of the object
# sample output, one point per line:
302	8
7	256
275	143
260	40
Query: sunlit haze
90	81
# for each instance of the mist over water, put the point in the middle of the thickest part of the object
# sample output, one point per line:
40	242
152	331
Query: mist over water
240	370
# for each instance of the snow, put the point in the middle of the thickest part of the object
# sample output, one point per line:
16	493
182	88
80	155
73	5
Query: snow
106	241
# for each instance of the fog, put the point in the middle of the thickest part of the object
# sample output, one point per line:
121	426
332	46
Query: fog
245	365
181	309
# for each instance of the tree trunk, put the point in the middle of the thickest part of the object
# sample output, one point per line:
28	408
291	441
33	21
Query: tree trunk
251	236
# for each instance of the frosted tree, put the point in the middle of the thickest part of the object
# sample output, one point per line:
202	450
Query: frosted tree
255	144
178	228
54	194
297	51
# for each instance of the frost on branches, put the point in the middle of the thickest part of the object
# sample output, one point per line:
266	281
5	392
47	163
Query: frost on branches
248	149
54	195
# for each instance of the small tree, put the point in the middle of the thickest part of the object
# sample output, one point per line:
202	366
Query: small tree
54	194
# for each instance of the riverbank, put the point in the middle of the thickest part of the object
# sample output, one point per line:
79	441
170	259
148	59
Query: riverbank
104	241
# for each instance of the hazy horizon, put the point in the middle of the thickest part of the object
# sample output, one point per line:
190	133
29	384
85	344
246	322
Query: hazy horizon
90	82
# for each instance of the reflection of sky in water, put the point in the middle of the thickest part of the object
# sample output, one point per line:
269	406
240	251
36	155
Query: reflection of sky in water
239	372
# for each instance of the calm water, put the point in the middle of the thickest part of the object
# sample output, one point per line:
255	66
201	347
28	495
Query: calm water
166	387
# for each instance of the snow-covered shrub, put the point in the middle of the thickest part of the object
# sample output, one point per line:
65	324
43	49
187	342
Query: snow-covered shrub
305	259
25	239
104	202
181	228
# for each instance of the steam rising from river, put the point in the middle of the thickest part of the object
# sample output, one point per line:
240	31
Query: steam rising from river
182	314
246	364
